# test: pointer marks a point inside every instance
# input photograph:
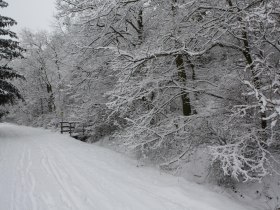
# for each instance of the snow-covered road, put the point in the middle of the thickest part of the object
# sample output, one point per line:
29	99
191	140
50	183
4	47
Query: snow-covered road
41	170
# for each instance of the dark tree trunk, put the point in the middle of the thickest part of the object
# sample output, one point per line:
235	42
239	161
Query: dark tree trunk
140	26
256	79
249	60
193	79
187	111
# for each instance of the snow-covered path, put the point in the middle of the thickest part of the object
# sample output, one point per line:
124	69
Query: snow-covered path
41	170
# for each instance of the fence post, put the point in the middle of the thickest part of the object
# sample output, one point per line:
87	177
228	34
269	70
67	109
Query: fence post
61	128
70	128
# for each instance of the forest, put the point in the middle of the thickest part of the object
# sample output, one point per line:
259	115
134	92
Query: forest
164	80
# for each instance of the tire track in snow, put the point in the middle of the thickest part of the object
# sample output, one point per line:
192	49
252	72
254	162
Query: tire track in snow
81	186
20	199
32	181
44	161
67	197
49	169
24	188
17	183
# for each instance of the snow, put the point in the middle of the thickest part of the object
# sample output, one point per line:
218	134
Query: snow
42	170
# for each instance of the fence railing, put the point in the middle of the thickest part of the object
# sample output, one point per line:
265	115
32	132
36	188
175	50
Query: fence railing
67	127
75	129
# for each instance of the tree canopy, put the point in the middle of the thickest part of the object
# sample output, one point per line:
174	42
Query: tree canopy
9	50
166	77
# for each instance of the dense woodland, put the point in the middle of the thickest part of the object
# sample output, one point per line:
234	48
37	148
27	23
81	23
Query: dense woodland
162	78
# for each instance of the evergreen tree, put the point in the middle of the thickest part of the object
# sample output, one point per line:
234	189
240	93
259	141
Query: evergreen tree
9	49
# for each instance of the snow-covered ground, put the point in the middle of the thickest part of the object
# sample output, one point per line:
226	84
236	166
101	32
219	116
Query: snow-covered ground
41	170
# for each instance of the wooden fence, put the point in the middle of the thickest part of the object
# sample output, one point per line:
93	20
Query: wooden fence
75	129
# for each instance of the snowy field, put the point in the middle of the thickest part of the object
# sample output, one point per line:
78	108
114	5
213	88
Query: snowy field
41	170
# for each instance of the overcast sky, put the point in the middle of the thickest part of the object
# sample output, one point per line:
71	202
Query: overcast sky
33	14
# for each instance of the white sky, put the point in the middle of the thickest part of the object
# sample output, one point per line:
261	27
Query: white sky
32	14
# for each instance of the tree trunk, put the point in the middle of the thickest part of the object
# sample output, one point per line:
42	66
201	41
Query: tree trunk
256	79
249	60
187	111
186	105
193	79
140	26
51	104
